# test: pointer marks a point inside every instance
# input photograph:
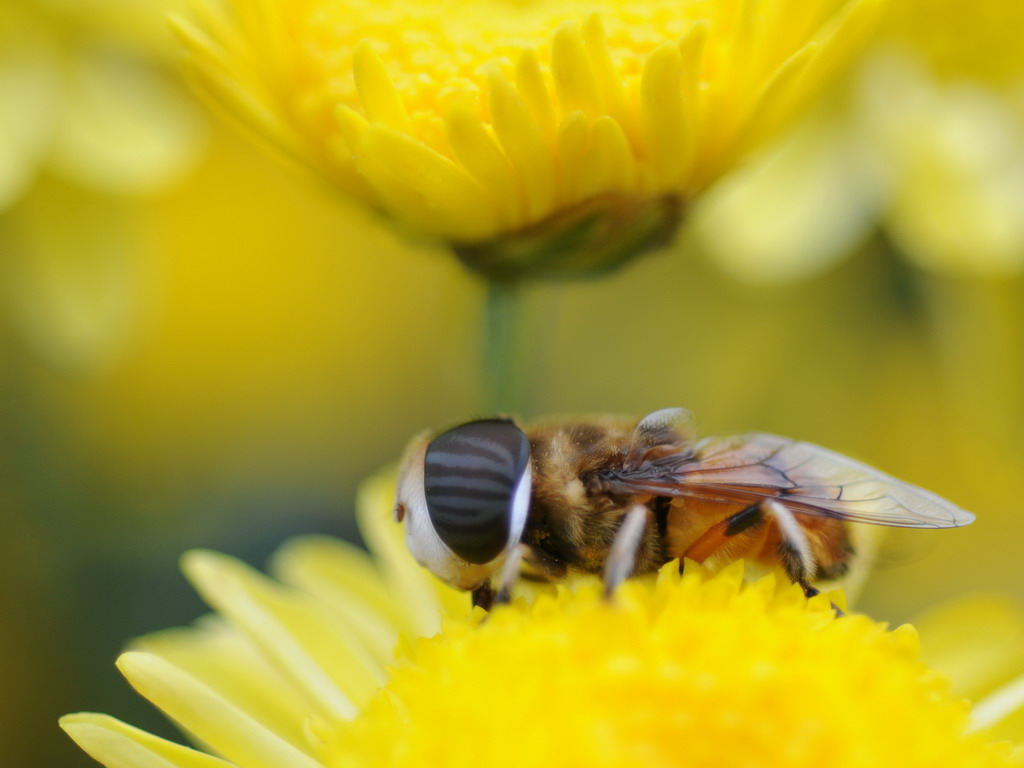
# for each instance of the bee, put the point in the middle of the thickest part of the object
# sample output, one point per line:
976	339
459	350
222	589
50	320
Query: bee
488	502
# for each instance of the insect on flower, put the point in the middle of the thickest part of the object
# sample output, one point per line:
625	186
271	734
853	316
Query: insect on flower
487	502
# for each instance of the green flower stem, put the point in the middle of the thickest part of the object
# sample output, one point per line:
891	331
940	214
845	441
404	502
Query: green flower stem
504	357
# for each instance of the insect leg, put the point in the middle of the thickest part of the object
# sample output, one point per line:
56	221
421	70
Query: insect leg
508	574
794	549
483	596
622	557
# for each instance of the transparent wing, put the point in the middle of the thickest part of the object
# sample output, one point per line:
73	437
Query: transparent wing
808	479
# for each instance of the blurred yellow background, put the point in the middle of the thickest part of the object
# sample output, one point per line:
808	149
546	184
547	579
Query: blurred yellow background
202	347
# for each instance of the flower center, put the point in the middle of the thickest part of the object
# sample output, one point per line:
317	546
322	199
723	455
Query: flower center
437	49
695	670
437	52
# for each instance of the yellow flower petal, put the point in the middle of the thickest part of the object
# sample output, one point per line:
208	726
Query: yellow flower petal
224	659
315	648
534	91
208	715
957	161
424	600
794	212
611	153
125	129
976	641
524	145
574	148
382	102
1002	711
477	150
606	79
118	745
422	185
775	100
76	291
663	116
575	83
343	576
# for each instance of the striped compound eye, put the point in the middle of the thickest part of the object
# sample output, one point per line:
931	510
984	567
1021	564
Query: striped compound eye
476	480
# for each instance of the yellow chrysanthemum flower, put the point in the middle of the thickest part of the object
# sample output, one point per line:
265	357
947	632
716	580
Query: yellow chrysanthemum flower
562	133
924	141
93	124
84	97
697	669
